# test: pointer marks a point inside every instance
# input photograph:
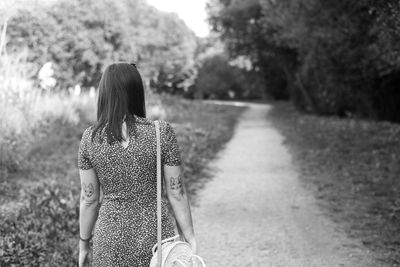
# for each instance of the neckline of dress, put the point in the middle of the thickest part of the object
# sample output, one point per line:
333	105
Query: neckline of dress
134	117
126	119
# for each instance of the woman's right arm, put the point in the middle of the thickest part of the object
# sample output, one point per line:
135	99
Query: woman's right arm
178	199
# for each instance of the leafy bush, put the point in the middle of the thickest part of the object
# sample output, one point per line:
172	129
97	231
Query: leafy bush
217	78
44	232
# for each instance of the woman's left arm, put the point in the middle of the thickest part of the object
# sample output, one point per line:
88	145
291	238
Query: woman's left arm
89	202
179	201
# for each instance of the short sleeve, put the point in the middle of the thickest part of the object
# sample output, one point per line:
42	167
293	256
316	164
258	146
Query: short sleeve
83	153
171	154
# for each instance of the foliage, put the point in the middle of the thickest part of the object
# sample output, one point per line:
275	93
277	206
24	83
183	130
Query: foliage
44	232
240	25
353	168
331	57
218	78
176	84
82	37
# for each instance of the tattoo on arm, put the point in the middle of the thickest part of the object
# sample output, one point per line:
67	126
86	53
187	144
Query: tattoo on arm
176	187
88	189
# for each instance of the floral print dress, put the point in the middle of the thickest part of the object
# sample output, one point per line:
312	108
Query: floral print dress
126	228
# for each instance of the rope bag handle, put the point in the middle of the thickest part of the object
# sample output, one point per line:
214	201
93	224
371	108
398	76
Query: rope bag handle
159	246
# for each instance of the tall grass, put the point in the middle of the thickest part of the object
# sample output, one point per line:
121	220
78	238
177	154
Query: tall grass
17	99
25	110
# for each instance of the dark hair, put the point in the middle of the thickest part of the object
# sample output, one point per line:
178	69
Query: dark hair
121	93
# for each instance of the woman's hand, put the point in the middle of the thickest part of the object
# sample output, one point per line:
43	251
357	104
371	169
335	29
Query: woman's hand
83	253
191	240
193	244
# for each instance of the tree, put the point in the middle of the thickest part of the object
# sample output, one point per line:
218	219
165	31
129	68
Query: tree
332	57
82	37
217	78
241	26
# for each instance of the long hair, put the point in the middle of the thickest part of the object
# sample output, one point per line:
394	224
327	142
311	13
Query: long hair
121	93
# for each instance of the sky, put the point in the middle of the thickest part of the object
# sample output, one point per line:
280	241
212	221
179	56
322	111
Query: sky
191	11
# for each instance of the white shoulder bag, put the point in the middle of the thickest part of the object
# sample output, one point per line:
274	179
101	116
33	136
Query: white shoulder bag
173	252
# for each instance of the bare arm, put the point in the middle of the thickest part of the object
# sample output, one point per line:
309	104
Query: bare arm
89	201
179	202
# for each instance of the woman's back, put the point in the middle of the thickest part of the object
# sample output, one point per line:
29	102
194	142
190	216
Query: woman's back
126	226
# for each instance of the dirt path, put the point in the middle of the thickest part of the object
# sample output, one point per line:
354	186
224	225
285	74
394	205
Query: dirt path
256	213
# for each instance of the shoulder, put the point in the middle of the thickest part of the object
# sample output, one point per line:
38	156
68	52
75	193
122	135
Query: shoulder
166	126
87	133
88	130
167	131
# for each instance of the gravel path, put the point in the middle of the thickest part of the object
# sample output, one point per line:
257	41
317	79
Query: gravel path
256	213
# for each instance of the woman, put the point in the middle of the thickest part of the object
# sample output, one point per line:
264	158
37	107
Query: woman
118	154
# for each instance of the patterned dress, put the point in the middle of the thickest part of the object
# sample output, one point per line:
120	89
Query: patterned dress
126	228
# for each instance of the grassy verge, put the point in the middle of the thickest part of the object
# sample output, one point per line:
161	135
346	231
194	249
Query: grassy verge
353	168
39	217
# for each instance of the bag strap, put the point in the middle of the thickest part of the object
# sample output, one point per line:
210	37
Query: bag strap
159	187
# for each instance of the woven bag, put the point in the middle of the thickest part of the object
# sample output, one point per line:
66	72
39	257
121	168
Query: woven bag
174	252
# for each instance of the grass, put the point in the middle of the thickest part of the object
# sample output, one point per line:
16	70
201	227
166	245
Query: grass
27	153
36	199
353	168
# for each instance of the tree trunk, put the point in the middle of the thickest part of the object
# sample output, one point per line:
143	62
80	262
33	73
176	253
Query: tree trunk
3	37
310	103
